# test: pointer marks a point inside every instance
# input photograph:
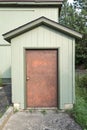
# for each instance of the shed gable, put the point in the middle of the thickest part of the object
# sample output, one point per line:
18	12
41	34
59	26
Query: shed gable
40	21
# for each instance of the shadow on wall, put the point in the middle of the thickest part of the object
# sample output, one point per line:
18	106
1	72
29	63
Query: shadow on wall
5	90
5	97
7	73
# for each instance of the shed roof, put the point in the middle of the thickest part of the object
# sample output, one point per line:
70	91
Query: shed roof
40	21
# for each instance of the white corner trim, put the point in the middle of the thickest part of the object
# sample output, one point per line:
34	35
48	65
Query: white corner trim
68	106
16	106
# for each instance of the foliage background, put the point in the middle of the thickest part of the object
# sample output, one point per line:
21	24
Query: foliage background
74	16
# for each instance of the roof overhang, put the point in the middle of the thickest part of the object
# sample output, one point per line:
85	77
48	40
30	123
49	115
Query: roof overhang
40	21
31	3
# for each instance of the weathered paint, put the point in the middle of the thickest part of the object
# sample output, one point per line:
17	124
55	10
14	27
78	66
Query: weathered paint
5	61
43	37
41	77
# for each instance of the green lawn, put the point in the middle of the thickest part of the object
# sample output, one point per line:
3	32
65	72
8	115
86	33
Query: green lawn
79	112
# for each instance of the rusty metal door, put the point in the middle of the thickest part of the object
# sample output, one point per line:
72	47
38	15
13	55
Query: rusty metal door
41	78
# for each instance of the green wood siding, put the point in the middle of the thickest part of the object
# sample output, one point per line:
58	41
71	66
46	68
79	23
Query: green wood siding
43	37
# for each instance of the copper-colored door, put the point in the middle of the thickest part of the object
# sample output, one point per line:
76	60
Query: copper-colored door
41	78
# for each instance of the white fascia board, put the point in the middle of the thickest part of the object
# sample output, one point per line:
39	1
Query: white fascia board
31	3
65	29
41	21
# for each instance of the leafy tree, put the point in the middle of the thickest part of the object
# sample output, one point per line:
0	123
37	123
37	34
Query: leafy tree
75	16
81	5
81	48
69	16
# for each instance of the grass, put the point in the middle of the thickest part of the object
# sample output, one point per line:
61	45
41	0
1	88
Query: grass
2	113
79	112
44	112
30	110
0	82
16	110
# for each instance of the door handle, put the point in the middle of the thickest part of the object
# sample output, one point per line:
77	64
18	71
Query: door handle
28	78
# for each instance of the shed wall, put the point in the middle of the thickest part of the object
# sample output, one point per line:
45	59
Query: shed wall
43	37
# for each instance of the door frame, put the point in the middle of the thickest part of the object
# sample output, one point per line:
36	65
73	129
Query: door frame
25	73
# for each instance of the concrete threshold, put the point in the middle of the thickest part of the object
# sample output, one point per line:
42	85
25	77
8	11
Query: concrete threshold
42	108
48	109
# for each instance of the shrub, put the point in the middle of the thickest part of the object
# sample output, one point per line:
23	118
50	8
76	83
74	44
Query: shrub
79	111
0	82
83	81
81	56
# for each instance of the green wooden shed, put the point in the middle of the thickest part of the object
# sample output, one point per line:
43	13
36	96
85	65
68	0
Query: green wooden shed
43	64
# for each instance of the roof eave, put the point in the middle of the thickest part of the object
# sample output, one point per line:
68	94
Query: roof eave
22	4
41	21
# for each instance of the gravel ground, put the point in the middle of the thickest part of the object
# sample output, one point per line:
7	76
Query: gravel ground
5	98
38	121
